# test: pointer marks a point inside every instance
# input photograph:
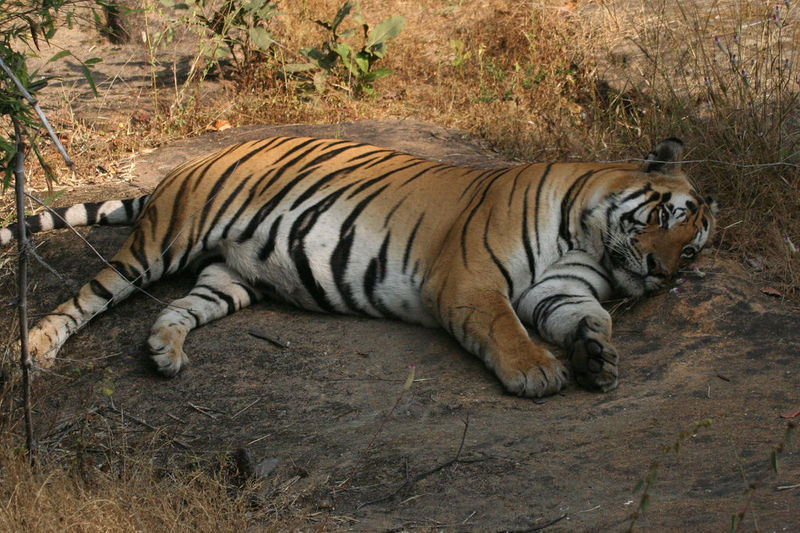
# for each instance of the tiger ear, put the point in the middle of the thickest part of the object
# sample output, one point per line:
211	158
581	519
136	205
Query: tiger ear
713	205
665	157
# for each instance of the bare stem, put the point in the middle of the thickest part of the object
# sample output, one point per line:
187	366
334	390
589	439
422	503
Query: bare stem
22	285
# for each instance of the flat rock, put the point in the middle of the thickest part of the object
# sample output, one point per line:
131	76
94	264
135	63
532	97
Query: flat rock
714	348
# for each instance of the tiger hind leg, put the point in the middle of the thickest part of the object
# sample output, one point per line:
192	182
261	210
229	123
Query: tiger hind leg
219	291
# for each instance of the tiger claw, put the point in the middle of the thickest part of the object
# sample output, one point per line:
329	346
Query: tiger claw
166	349
594	360
542	379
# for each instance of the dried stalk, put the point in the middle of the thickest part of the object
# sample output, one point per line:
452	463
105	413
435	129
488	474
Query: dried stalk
22	285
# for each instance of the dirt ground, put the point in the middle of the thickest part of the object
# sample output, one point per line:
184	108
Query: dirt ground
713	348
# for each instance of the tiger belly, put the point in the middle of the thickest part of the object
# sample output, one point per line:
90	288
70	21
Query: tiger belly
316	274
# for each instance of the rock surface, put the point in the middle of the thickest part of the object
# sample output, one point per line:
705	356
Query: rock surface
713	348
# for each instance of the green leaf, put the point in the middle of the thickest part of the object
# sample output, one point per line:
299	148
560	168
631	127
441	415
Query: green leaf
298	67
734	523
386	30
644	504
773	459
362	61
381	73
340	15
62	53
343	51
88	75
261	38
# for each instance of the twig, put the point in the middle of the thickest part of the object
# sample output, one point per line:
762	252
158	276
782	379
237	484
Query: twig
25	361
378	431
788	487
145	424
42	118
263	336
543	526
409	482
246	407
201	410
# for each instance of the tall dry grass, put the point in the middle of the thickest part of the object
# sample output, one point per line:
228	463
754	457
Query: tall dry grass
61	497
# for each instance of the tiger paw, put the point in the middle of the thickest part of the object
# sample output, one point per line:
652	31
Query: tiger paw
544	377
593	358
166	349
41	348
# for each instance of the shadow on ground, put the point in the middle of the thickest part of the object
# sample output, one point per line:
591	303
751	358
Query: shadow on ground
714	348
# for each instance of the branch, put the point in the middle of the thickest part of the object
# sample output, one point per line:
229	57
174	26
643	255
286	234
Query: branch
39	112
25	361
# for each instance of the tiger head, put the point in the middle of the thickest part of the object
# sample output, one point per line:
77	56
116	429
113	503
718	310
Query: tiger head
658	223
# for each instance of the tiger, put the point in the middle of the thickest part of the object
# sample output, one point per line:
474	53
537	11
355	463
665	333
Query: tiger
509	261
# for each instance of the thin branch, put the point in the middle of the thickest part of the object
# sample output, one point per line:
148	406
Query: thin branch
25	361
39	112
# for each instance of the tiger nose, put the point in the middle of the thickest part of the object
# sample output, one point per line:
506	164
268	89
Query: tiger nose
655	267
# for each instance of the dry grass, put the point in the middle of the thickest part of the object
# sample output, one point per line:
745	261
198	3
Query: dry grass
539	81
59	497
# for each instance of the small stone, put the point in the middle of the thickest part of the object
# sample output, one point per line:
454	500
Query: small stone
265	467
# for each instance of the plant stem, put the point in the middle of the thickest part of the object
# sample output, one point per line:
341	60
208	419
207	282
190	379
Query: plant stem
22	286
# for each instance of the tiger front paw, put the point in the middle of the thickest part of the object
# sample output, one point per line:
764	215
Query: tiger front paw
166	349
534	379
593	358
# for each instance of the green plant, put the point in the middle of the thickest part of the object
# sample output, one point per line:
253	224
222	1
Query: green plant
237	27
23	25
460	54
357	62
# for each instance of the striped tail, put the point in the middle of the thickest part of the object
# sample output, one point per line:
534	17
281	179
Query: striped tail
109	213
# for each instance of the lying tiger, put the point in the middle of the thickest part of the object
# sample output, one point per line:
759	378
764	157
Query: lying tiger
337	226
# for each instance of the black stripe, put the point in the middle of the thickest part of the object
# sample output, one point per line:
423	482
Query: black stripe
567	203
376	273
367	183
474	181
537	210
410	241
547	306
129	208
301	227
472	213
339	262
313	188
514	185
269	245
223	297
91	210
205	296
394	208
431	168
99	290
526	238
571	277
250	293
598	271
498	264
